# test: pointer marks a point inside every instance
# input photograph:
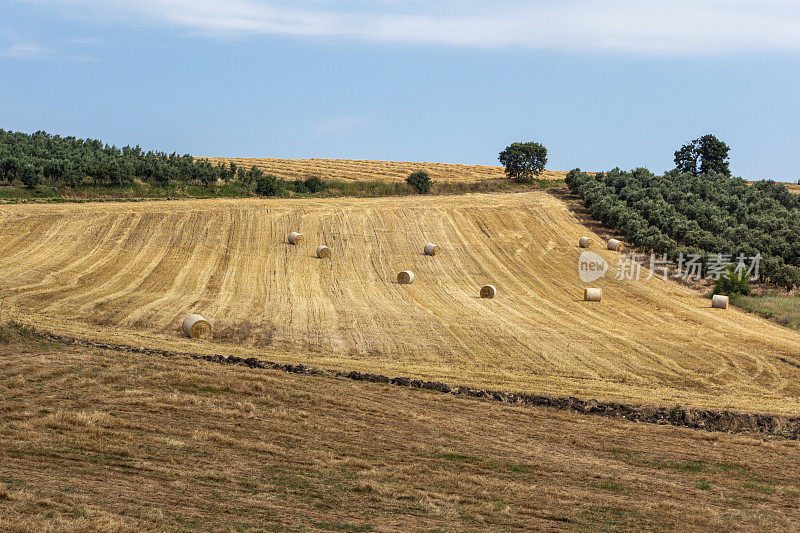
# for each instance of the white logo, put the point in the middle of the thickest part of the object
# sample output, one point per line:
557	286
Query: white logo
591	267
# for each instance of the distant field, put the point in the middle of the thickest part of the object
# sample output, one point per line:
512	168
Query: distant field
129	273
360	170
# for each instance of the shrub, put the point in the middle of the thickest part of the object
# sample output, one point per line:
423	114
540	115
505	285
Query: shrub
730	283
313	185
420	181
267	185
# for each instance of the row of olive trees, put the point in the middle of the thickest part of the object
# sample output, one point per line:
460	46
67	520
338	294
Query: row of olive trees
705	214
31	159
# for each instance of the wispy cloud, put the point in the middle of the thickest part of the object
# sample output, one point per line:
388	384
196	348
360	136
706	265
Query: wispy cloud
88	41
25	51
339	125
16	45
633	26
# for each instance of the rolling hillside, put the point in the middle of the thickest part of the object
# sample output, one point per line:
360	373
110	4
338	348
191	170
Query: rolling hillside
129	273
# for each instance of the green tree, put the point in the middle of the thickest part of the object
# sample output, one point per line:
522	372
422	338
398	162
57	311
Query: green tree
253	174
30	176
420	181
72	175
53	170
10	168
313	185
713	156
686	159
787	276
524	161
267	185
703	155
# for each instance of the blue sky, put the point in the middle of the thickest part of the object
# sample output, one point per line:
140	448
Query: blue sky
600	83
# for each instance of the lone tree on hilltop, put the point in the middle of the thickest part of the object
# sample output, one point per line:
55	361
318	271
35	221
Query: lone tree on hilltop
524	161
706	154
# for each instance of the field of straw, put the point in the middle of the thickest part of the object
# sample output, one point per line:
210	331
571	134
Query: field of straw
99	440
365	170
129	273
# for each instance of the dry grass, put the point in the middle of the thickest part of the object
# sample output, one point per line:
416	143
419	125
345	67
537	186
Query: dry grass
129	273
365	170
97	440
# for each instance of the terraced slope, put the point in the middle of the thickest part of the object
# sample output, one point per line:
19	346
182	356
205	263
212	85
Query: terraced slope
129	273
361	170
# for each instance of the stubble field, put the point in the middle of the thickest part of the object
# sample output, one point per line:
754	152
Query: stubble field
367	170
101	440
129	273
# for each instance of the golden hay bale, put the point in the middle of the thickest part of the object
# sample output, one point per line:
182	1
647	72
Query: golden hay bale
295	238
719	302
323	251
405	277
431	249
592	295
196	327
615	245
585	242
488	291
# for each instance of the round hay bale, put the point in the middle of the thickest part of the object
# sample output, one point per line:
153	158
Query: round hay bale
615	245
295	238
488	291
405	277
585	242
196	327
719	302
592	295
431	249
323	251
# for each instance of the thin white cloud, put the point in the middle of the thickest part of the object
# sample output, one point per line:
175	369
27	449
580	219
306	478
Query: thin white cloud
697	27
88	41
25	51
339	125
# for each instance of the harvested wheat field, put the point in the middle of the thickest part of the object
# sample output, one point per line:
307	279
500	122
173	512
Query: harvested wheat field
129	273
100	440
366	170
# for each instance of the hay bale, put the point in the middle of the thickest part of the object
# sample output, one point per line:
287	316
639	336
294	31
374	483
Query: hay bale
405	277
585	242
431	249
615	245
488	291
296	238
592	295
719	302
323	251
196	327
